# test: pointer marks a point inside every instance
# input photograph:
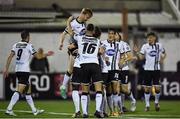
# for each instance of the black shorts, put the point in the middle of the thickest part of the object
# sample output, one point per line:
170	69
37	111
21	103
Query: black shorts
76	75
113	75
124	76
91	72
105	78
140	77
23	77
151	78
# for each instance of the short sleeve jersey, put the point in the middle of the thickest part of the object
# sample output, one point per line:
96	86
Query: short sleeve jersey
23	52
88	48
112	54
152	55
125	48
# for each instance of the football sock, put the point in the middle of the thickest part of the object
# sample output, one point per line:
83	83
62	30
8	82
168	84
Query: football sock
157	96
133	100
66	80
147	98
98	100
110	103
76	99
84	103
122	99
30	102
14	99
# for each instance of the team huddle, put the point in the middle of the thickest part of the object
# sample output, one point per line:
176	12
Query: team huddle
103	63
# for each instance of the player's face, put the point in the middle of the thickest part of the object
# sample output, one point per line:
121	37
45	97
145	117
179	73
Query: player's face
117	37
86	17
151	39
111	35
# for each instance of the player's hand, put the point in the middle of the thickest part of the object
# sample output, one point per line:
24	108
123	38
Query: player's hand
50	53
71	46
135	48
5	74
61	47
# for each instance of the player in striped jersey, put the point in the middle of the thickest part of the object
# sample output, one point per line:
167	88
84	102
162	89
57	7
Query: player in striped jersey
154	54
78	25
125	58
88	49
22	51
110	71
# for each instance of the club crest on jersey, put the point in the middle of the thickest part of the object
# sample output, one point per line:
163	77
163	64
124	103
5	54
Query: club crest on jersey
152	53
110	52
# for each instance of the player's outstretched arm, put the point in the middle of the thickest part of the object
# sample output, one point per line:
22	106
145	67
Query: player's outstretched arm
62	38
8	62
68	22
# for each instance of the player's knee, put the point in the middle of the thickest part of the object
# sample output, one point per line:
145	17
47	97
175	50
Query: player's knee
75	87
157	89
147	90
125	90
85	93
98	86
98	92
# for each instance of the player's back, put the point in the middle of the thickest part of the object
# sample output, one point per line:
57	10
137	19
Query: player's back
23	52
88	49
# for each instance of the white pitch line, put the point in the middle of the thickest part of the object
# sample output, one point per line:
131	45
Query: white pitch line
138	116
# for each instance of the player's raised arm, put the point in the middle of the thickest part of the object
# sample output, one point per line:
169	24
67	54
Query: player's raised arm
62	37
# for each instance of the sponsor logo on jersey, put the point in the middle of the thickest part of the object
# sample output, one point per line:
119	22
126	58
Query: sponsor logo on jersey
152	53
110	52
82	32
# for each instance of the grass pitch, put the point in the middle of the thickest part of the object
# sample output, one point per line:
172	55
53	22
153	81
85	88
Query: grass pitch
65	109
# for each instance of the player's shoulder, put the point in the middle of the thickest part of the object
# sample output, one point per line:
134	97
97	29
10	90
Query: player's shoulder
158	43
145	45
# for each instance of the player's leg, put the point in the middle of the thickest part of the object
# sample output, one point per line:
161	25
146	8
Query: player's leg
104	99
114	75
147	89
76	100
98	99
15	97
84	100
67	76
30	101
75	81
126	89
86	77
157	86
97	81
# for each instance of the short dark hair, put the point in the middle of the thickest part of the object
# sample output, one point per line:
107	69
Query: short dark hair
90	27
111	29
97	32
87	11
24	34
152	34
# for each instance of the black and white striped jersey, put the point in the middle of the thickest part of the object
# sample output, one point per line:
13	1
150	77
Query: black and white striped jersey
152	55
